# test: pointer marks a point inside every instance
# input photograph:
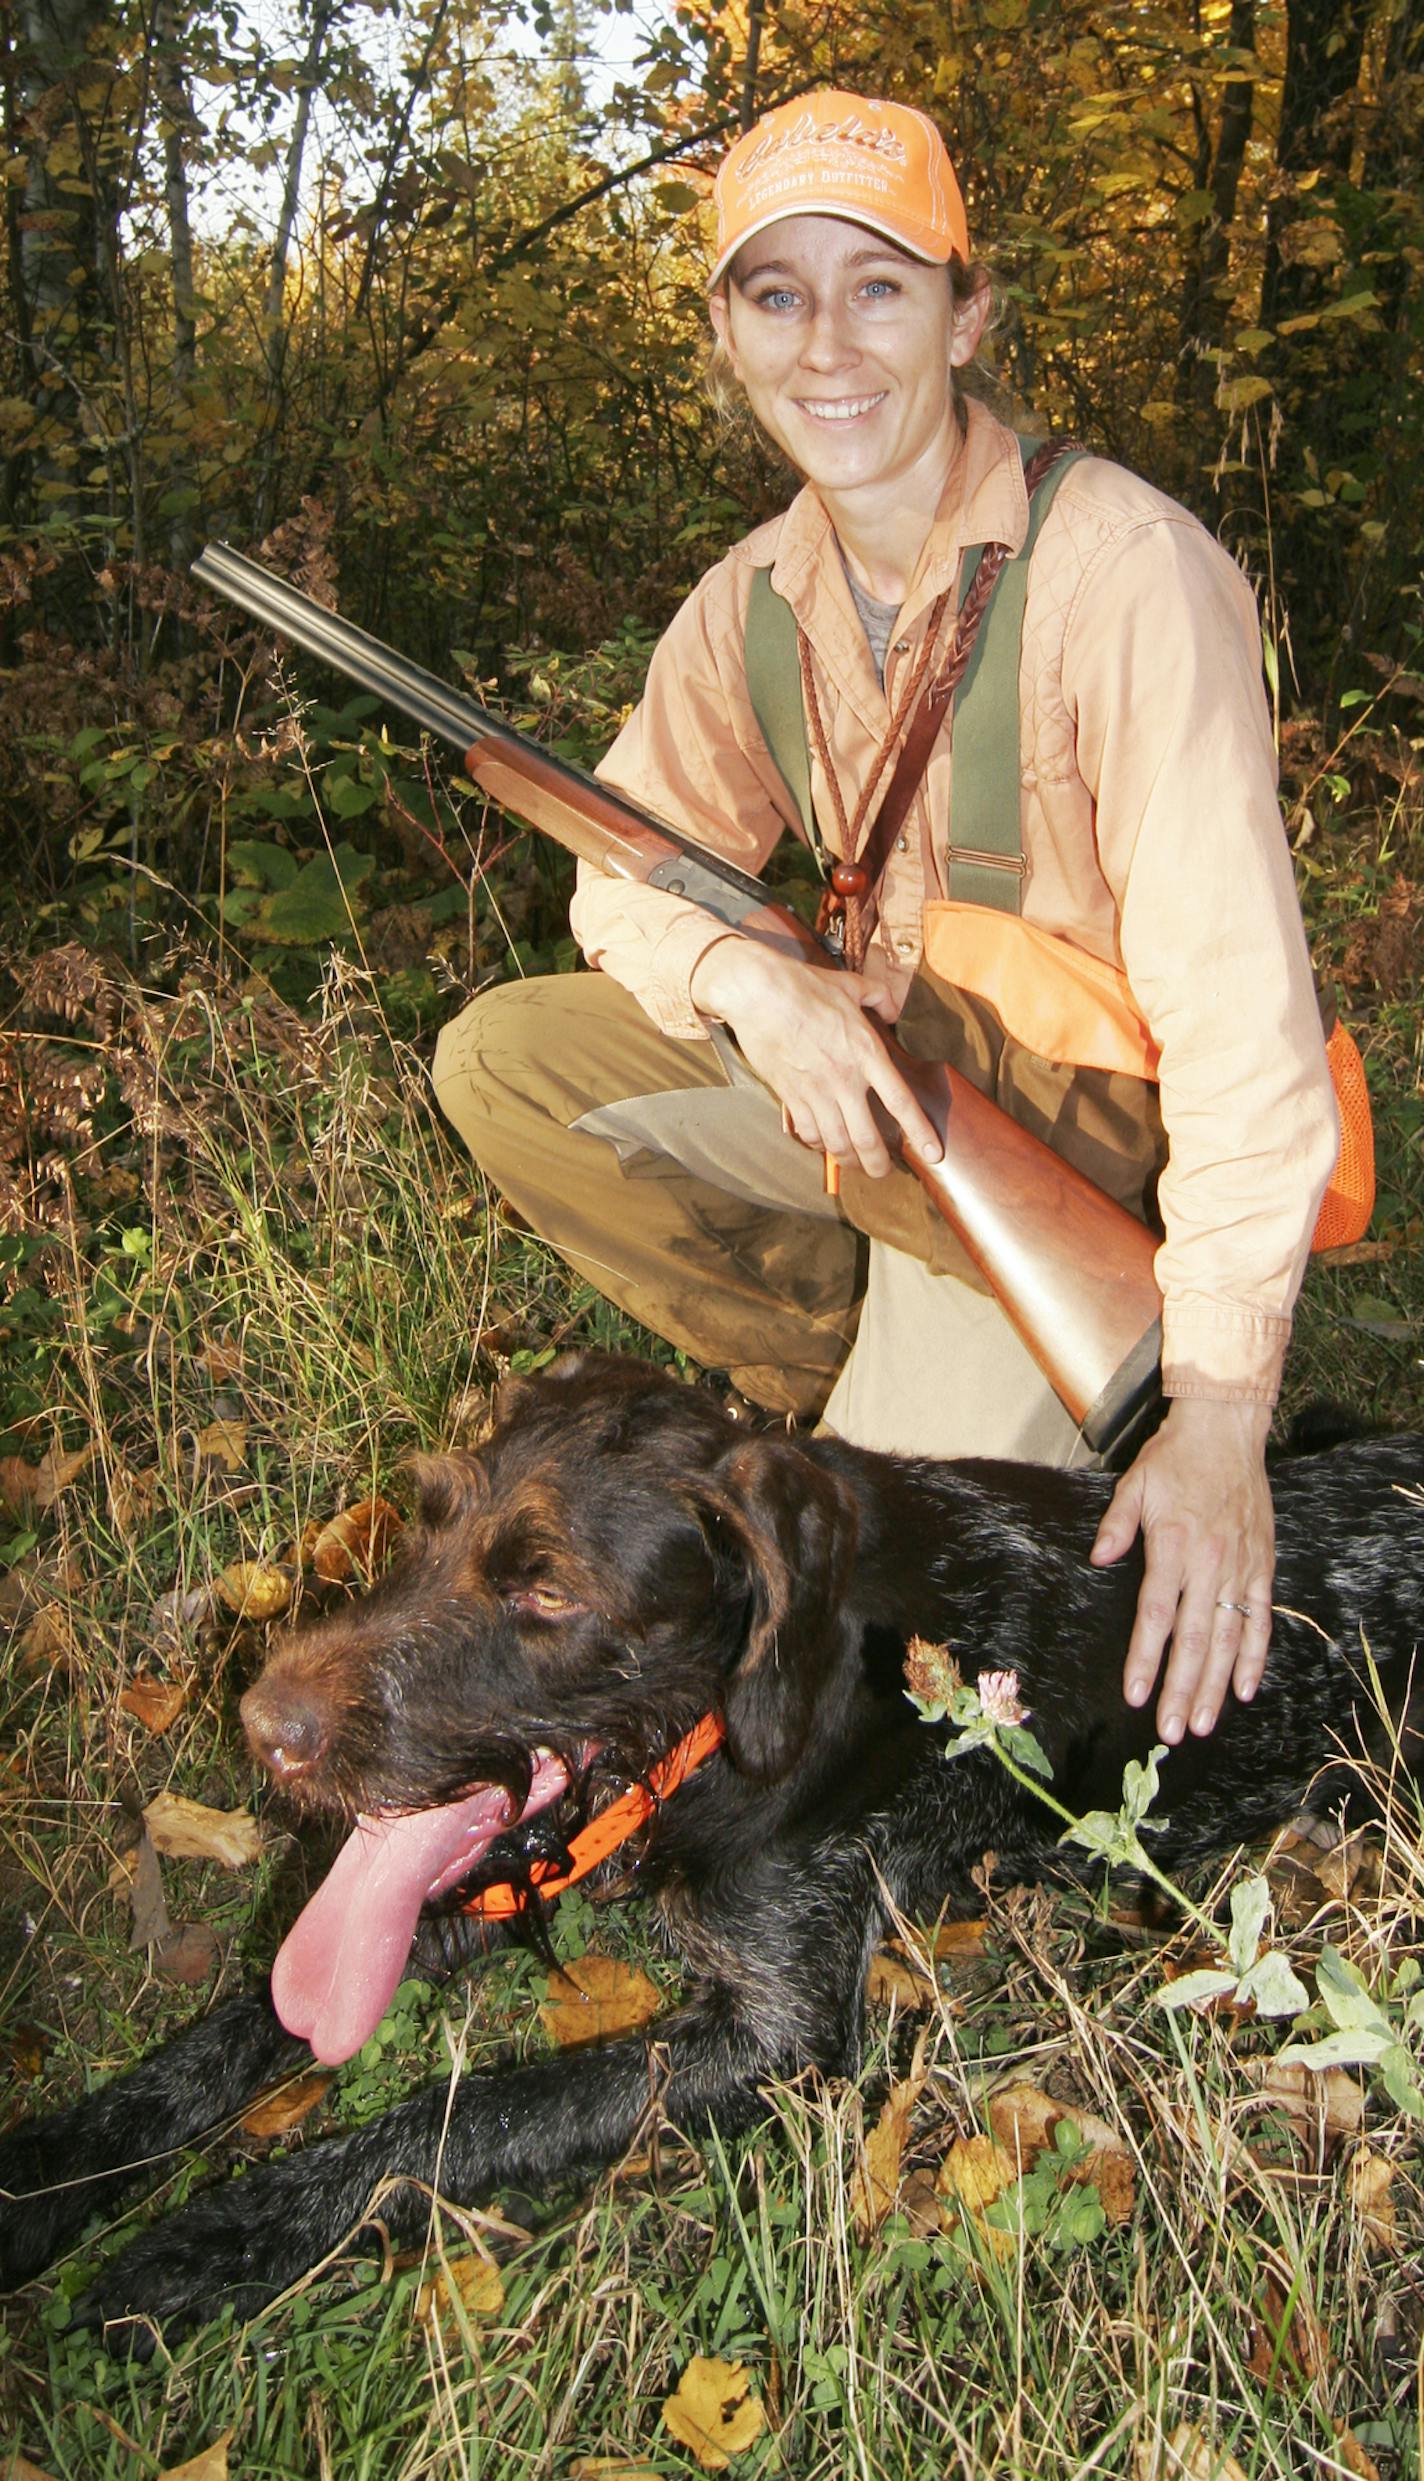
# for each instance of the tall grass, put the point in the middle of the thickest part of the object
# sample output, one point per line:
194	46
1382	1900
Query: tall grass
250	1307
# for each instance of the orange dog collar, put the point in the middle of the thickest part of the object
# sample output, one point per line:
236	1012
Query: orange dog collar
611	1828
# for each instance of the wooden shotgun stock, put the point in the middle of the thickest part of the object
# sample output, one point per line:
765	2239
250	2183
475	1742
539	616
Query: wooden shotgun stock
1071	1268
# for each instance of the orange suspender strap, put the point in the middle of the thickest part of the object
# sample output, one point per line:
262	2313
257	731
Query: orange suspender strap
611	1828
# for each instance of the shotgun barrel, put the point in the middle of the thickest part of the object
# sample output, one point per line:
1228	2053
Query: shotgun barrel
1071	1268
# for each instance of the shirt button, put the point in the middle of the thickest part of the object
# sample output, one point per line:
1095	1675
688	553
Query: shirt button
902	844
902	646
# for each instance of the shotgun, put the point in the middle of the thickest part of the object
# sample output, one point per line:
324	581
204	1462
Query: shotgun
1071	1268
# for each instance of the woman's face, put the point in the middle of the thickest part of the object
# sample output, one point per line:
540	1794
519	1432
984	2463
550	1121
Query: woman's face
845	346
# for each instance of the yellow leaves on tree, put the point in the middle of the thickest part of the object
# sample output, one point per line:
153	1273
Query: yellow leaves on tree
714	2414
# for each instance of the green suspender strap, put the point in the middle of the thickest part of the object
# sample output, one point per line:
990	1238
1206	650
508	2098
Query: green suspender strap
986	856
986	864
774	687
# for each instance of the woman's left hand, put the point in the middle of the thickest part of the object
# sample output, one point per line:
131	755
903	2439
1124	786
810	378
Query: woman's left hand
1199	1494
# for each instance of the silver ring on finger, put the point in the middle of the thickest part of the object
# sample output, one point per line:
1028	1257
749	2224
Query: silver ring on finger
1246	1609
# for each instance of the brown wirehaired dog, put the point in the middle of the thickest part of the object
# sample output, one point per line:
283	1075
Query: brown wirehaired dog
619	1560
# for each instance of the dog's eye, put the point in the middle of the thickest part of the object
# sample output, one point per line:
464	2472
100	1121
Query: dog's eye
544	1602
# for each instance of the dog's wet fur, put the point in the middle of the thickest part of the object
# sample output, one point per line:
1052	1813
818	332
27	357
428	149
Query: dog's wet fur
619	1559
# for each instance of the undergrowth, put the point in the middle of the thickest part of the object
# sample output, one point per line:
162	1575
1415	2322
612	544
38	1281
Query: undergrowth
242	1275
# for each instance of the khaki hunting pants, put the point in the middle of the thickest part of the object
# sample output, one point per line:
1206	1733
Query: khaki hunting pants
660	1171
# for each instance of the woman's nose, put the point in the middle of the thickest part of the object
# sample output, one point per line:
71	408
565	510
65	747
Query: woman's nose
828	344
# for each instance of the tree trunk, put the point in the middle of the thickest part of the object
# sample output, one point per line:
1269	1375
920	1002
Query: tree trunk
1206	288
324	16
176	113
60	290
1325	44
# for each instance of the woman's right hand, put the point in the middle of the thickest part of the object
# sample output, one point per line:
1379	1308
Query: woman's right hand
805	1031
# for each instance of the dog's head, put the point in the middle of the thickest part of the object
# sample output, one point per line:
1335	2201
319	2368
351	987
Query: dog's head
618	1558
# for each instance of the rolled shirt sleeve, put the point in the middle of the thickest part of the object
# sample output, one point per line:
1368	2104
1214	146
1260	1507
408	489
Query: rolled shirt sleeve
692	753
1162	675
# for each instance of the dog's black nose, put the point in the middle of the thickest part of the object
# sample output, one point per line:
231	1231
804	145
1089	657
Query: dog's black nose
285	1734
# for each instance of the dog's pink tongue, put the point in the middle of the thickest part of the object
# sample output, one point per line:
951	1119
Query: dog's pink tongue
338	1968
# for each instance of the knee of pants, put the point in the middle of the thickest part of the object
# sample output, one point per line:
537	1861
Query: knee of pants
479	1057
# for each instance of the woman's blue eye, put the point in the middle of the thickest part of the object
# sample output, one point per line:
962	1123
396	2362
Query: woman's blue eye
881	288
777	299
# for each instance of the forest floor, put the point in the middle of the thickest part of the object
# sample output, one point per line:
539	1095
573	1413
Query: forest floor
245	1273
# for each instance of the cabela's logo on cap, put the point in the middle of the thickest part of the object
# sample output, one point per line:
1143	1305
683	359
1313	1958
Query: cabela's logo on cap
878	163
806	130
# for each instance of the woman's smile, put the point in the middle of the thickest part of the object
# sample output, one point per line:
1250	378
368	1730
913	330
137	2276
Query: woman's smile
840	408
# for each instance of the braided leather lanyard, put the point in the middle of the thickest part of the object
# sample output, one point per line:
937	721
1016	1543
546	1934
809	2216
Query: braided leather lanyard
855	879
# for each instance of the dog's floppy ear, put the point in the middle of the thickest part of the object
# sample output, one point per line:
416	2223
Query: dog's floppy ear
447	1487
795	1528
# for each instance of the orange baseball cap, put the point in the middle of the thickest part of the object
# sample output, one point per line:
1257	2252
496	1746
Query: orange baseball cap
881	164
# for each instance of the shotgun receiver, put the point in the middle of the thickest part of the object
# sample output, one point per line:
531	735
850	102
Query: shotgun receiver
1071	1268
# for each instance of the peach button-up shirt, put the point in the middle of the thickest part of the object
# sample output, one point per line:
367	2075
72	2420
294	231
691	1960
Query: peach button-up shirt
1151	830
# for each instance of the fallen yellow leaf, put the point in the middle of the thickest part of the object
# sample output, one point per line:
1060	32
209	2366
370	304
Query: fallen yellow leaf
893	1981
1332	2102
957	1938
1287	2347
714	2413
254	1590
211	2465
594	1998
1370	2178
156	1704
876	2178
358	1542
222	1443
19	2468
285	2109
1352	1866
1354	2457
222	1362
49	1642
1191	2458
29	1489
132	1495
187	1830
611	2468
1024	2121
974	2172
472	2283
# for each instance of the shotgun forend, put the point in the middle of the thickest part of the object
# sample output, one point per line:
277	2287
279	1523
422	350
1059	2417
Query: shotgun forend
1071	1268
